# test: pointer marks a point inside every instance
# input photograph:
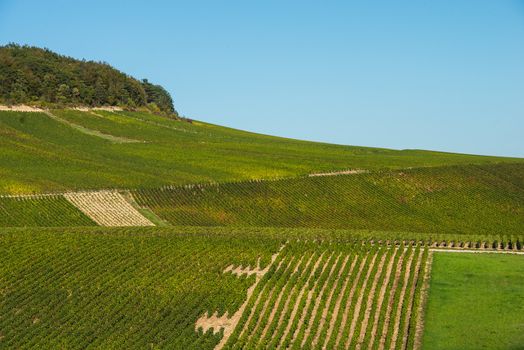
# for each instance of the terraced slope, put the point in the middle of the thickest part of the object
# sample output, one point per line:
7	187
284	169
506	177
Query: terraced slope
485	199
100	149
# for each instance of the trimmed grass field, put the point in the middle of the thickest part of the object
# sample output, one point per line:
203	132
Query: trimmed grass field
476	301
96	150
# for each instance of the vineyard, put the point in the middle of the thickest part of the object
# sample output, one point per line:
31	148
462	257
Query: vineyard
459	199
210	288
45	211
90	150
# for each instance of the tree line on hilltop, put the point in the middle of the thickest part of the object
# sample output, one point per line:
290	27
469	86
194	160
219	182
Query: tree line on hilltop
40	77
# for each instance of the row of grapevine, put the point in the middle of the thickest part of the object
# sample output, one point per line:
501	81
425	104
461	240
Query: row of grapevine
122	288
334	295
455	200
40	211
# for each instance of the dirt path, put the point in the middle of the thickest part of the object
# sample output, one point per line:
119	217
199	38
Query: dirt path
297	302
476	251
369	303
356	313
91	132
349	301
20	108
380	300
341	172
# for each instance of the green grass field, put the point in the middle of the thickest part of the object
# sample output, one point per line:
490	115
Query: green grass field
476	301
41	154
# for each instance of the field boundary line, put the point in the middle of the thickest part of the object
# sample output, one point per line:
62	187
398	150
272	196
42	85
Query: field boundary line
516	252
424	294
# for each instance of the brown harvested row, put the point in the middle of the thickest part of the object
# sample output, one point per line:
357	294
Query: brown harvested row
359	302
410	300
401	302
369	303
338	302
308	301
295	307
389	308
107	208
286	303
382	295
328	302
349	301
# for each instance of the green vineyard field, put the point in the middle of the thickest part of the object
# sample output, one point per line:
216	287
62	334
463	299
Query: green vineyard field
40	211
458	199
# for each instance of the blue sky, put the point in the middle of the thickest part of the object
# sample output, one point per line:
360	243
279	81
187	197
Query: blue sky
443	75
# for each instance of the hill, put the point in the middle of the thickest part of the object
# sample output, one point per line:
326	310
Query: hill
31	75
63	150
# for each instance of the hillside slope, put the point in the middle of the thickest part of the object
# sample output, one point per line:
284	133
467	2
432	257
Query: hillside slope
71	150
460	199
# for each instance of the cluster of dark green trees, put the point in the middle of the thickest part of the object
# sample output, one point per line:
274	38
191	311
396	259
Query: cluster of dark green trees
31	75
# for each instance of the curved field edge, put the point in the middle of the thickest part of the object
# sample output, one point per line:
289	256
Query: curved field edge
170	152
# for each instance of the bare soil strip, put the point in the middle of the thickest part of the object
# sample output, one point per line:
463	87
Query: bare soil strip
381	297
419	330
456	250
297	302
349	301
369	303
20	108
359	302
341	172
328	302
107	208
394	337
91	132
338	302
389	308
229	323
410	300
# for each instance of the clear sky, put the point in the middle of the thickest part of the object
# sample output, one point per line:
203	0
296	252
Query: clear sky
444	75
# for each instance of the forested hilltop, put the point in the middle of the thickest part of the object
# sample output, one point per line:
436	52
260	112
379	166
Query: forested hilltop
36	76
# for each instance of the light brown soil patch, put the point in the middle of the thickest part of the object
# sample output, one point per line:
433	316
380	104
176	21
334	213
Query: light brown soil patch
107	208
20	108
